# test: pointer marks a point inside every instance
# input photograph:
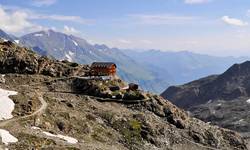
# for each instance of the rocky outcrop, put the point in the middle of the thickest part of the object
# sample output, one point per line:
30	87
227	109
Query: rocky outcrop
15	59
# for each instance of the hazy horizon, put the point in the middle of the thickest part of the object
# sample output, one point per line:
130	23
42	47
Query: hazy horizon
213	27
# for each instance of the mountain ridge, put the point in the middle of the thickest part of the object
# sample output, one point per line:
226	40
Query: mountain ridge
72	48
182	67
153	70
221	99
229	85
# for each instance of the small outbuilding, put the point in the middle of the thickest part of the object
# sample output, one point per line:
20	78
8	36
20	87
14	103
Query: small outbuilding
133	86
103	69
114	88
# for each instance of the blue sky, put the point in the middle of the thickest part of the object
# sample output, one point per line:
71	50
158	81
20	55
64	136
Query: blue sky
215	27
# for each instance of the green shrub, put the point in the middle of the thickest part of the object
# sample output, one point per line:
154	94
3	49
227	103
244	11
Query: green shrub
131	131
107	116
133	95
73	64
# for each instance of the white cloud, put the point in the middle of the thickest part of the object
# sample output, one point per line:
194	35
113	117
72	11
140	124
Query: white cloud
161	19
248	13
196	1
123	41
70	30
40	3
146	41
234	21
19	20
76	19
16	21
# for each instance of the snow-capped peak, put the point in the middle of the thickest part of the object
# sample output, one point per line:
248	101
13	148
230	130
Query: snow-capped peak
17	41
38	34
76	44
69	56
71	53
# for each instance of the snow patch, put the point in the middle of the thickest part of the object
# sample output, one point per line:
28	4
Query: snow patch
105	49
66	138
68	57
38	34
71	53
219	104
241	120
35	128
7	137
76	44
210	101
47	32
248	101
213	112
6	104
17	41
2	79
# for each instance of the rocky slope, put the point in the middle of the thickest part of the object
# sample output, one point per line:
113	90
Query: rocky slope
16	59
220	99
53	103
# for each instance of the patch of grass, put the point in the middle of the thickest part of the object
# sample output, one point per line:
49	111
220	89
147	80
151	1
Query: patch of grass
133	95
99	134
135	125
131	131
27	141
98	137
115	93
107	116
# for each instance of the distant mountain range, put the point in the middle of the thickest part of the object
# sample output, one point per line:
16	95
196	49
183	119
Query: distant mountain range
72	48
184	66
6	36
154	70
222	99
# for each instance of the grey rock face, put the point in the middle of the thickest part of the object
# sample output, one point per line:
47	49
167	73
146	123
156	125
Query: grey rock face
221	99
15	59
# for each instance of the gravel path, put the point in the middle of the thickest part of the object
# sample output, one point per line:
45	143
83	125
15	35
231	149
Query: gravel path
39	111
